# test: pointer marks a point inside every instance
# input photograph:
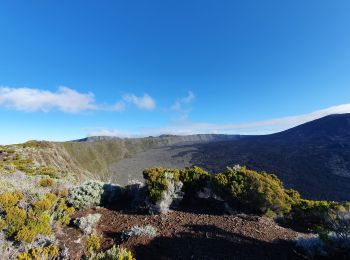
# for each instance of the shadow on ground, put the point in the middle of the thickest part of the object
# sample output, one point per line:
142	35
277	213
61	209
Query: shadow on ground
210	242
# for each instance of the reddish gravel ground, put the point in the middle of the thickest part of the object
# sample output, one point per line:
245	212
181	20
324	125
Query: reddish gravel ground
189	235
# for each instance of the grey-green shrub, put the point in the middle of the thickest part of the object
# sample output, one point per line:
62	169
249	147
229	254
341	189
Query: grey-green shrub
141	231
86	195
87	224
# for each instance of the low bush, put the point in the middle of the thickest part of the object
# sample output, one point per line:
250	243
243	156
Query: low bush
311	245
86	195
333	240
256	192
163	189
93	244
49	171
23	222
313	216
24	165
10	199
47	253
46	182
114	253
139	231
157	180
194	179
62	212
87	223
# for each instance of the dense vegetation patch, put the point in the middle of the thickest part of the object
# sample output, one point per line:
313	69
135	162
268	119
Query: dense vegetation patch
23	222
157	180
253	191
243	189
194	179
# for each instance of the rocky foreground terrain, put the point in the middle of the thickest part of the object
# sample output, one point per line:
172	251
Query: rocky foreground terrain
186	234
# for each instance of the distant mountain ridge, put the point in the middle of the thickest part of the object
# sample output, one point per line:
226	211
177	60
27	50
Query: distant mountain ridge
313	158
169	138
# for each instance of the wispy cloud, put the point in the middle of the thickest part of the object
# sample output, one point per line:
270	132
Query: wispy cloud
117	107
142	102
178	105
109	132
30	99
66	100
182	107
259	127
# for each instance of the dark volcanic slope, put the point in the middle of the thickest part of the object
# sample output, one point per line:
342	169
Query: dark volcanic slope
313	158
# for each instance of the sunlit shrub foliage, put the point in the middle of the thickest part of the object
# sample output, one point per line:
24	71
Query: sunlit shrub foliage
93	243
23	222
114	253
46	182
194	179
257	192
157	180
47	253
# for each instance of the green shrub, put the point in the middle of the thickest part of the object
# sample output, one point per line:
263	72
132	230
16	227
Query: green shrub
46	182
35	225
93	243
2	224
157	181
256	192
25	224
46	203
10	199
47	253
24	165
50	171
311	215
15	219
194	179
62	212
114	253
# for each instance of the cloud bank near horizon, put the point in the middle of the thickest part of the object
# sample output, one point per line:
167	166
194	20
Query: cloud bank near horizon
68	100
259	127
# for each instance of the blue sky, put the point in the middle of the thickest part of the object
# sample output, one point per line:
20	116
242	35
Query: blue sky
69	69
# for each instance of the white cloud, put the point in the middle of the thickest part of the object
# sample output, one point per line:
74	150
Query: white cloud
29	99
110	132
178	105
259	127
64	99
117	107
145	102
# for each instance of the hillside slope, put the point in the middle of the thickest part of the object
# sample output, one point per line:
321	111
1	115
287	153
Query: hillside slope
117	159
313	158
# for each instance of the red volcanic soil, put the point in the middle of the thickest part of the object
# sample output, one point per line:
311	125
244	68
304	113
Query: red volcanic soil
189	235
